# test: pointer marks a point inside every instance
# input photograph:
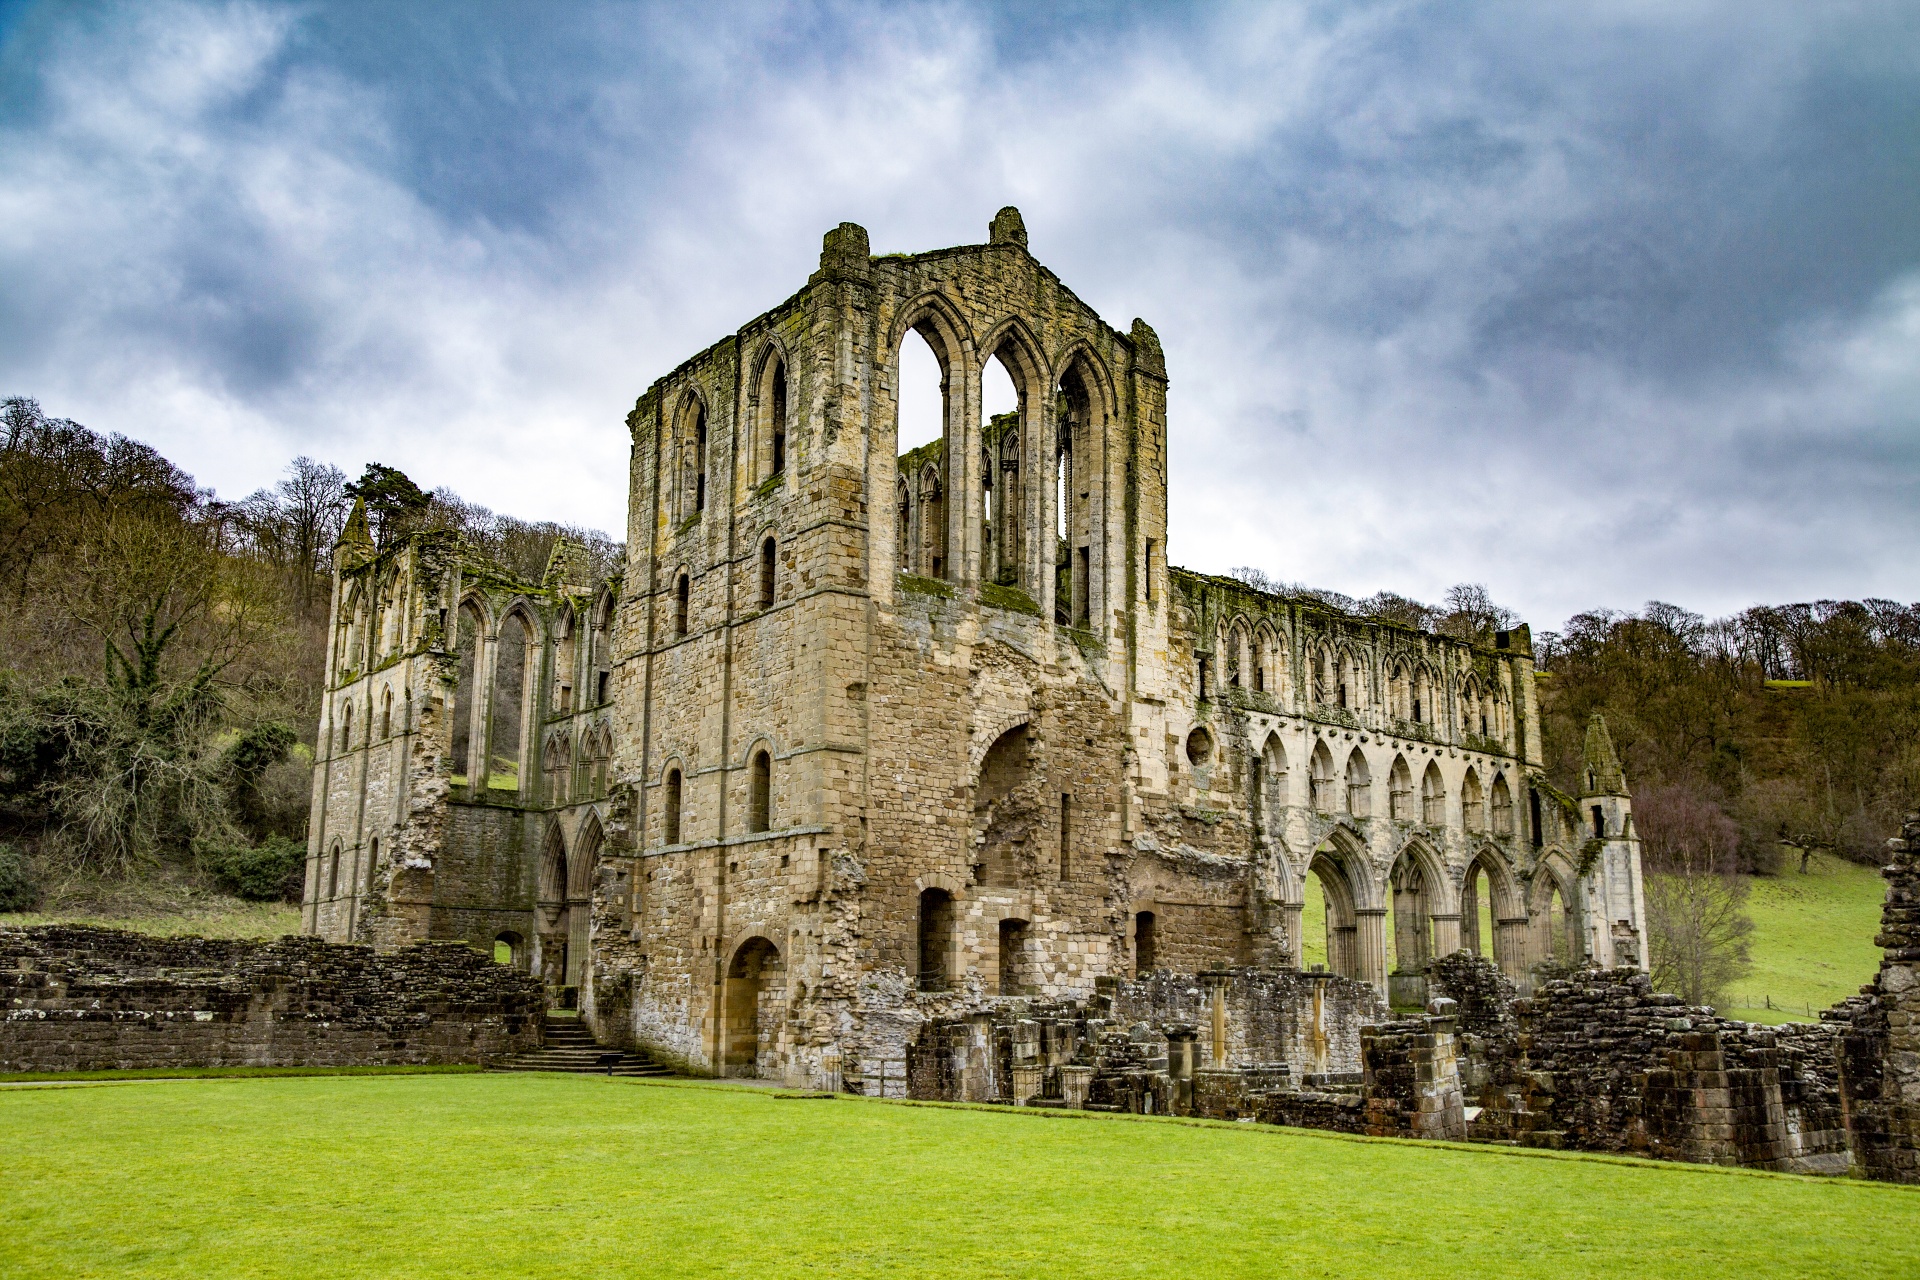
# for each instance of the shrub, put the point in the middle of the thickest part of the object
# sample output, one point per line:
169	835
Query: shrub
19	890
270	871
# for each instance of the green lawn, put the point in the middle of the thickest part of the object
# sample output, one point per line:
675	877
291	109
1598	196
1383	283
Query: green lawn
1812	941
524	1175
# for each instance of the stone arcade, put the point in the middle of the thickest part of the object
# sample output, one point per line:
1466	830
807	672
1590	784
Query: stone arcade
859	743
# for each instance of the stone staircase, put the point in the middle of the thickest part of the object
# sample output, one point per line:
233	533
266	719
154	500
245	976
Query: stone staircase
569	1046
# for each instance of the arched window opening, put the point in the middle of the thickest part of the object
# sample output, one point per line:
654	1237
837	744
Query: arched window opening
768	555
1146	956
565	657
1433	797
1014	978
1359	785
1326	791
1599	817
1533	813
1502	808
777	464
373	861
1472	803
936	939
513	656
346	726
333	872
670	810
466	686
692	444
760	792
925	409
509	948
682	602
1001	540
386	712
1400	791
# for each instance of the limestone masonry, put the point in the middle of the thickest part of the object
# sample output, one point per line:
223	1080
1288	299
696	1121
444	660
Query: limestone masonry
860	747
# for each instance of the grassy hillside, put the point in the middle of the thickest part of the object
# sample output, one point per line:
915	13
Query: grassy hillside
1812	941
523	1175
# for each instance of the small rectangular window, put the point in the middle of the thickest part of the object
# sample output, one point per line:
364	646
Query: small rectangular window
1149	571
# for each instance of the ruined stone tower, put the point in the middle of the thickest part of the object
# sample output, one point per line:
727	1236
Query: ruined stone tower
873	738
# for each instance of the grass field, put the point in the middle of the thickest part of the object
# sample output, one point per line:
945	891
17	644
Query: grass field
523	1175
1812	941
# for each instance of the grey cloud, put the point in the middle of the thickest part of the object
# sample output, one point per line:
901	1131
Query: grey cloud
1592	304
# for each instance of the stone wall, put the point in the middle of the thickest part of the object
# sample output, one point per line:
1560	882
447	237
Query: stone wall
83	999
1880	1056
1602	1062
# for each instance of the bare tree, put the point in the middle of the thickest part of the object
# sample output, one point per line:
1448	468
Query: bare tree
1698	930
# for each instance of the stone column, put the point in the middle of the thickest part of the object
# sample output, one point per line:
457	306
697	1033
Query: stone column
1290	916
1217	987
1510	950
1370	946
1446	934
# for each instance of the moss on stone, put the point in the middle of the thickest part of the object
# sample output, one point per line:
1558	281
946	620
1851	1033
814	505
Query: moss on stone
996	596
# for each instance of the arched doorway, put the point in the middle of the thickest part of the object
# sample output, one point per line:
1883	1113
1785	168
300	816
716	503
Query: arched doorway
755	1004
1418	904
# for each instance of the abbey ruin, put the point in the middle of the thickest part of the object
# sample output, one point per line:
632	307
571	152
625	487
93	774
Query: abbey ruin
859	741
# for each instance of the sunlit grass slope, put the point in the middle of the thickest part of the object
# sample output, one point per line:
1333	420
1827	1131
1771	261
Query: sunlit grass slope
1812	942
520	1175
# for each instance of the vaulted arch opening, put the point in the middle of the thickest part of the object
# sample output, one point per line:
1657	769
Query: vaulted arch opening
1493	919
1006	815
1329	919
755	1005
552	913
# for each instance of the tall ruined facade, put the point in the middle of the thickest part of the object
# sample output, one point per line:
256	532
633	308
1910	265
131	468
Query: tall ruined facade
861	739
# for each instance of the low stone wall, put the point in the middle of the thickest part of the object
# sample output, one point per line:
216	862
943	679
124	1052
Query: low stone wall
1602	1062
81	999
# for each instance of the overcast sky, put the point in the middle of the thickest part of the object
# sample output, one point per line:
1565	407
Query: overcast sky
1590	303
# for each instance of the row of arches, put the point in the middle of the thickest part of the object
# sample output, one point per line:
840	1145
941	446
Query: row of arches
1349	789
1373	932
571	773
1254	657
1027	435
389	717
496	698
768	428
